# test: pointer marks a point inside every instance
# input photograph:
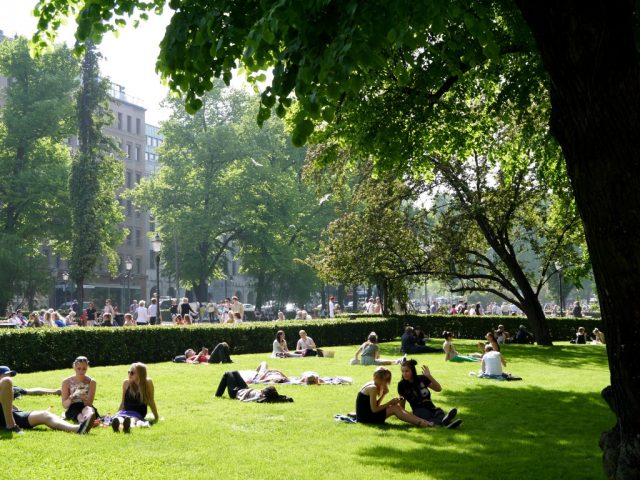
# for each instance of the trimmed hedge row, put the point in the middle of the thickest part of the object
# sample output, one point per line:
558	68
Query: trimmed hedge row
561	328
29	350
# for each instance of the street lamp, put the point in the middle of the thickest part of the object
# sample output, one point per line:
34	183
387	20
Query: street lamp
559	270
128	266
65	279
156	246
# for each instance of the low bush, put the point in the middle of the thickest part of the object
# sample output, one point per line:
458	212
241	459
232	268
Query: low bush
31	349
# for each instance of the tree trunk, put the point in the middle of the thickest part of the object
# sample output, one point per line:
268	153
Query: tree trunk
340	296
260	287
200	290
589	50
80	293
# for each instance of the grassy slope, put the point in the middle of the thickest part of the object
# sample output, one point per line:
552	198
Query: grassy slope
546	426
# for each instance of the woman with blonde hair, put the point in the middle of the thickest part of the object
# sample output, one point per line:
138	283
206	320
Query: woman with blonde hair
369	406
137	397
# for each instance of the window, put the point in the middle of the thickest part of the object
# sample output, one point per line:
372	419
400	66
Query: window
138	238
129	151
129	119
146	156
128	179
152	226
138	177
138	153
129	208
137	126
138	265
148	140
119	121
129	237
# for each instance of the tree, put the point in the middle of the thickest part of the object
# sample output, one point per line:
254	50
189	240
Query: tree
585	53
35	120
95	175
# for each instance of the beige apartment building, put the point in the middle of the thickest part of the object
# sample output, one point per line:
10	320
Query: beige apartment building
128	131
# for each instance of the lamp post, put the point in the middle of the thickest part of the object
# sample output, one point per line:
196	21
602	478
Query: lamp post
156	246
559	270
65	279
128	265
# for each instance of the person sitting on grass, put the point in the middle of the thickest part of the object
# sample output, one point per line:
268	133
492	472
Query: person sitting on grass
370	408
15	420
450	352
415	389
409	343
306	346
280	348
128	320
523	336
598	337
137	397
581	337
221	353
369	353
78	392
492	363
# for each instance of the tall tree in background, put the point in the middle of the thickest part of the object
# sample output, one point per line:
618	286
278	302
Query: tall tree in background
35	121
95	177
586	54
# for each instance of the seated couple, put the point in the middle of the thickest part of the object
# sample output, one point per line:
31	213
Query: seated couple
492	363
305	347
412	343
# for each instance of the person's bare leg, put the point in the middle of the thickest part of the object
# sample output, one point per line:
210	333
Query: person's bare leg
405	416
43	391
6	400
43	417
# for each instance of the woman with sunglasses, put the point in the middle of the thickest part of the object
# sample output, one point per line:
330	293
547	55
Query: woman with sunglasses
137	397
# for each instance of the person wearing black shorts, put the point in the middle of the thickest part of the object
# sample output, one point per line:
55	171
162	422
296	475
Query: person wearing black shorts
15	420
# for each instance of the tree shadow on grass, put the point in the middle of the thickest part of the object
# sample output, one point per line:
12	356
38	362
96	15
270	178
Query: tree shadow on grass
508	432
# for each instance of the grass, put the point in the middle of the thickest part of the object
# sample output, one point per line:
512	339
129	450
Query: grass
546	426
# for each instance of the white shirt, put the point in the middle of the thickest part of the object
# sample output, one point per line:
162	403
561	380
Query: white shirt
305	344
492	363
153	310
143	315
332	309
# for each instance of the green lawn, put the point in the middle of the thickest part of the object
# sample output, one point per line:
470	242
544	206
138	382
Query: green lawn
545	427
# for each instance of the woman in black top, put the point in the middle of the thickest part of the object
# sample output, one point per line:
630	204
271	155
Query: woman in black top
414	388
185	308
369	406
137	395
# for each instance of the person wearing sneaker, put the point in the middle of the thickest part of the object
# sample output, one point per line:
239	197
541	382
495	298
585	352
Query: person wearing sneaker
14	420
415	389
371	409
137	397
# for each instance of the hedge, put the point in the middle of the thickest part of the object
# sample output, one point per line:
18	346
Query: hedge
31	349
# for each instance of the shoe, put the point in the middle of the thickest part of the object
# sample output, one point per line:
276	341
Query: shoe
454	424
115	424
449	417
87	425
126	425
15	429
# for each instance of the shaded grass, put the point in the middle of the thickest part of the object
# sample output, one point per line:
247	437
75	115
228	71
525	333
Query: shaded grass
546	426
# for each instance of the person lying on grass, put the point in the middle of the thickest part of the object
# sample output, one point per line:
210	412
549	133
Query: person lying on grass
201	357
14	420
78	392
369	406
369	353
415	389
137	397
451	354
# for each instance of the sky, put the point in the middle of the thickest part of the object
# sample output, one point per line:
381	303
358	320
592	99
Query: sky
129	59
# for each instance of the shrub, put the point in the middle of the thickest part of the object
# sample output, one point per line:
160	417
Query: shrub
29	350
